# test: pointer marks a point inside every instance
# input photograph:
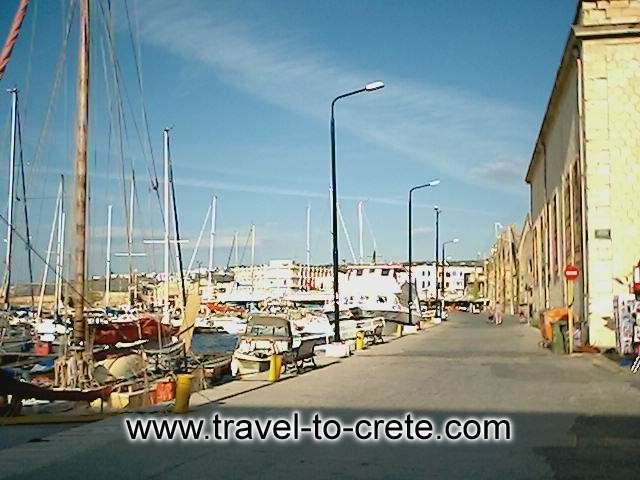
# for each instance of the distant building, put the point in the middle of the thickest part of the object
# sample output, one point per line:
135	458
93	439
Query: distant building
278	278
459	276
501	270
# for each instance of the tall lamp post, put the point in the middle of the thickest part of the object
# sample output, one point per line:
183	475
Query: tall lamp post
432	183
370	87
437	233
444	256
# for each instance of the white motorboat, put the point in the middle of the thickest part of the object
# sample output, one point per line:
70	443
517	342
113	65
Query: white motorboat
265	336
221	323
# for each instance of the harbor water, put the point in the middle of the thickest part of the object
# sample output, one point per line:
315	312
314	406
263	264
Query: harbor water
213	343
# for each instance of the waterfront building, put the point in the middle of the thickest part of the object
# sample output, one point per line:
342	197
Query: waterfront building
585	169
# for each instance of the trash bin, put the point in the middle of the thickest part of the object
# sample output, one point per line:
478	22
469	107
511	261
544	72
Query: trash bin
359	340
557	344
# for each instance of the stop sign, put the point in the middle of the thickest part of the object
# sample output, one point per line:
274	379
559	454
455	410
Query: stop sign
571	273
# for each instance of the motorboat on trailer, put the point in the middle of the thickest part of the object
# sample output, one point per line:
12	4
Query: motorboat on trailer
266	335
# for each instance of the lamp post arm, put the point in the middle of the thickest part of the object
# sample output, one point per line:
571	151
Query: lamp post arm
344	95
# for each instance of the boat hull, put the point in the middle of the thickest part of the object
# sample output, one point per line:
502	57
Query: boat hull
246	364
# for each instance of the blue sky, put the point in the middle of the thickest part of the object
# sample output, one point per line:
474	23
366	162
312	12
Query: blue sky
247	88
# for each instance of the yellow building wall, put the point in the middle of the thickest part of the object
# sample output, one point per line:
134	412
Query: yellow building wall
612	152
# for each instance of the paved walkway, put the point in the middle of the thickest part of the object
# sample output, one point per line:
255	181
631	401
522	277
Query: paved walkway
573	417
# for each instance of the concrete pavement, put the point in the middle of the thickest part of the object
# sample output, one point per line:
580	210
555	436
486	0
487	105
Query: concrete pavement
572	418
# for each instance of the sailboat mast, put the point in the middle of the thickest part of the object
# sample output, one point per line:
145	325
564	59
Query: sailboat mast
82	134
130	232
12	165
107	272
360	239
60	297
308	245
212	236
59	255
235	247
167	223
253	253
49	248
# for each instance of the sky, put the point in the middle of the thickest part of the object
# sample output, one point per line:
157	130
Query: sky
246	89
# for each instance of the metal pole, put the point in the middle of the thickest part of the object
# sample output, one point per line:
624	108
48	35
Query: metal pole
334	205
334	227
437	262
443	261
212	237
410	260
107	273
82	133
12	164
410	235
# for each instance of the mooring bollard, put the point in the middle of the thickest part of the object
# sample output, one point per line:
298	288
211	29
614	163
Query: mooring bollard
183	393
275	365
359	340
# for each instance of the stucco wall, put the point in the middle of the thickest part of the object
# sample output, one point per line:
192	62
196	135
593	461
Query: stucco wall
612	134
556	152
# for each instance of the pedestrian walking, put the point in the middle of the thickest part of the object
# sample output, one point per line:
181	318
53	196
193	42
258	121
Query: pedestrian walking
497	314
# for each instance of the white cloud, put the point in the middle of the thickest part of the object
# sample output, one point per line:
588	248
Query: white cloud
449	130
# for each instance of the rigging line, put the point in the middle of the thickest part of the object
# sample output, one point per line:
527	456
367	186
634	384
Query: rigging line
177	227
120	117
118	75
62	57
129	104
233	244
27	82
20	237
138	64
244	248
25	208
370	228
34	166
195	249
110	126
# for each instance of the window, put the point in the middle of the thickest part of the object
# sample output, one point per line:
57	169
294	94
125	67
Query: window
429	273
448	274
446	285
423	286
372	270
428	284
385	272
423	273
359	272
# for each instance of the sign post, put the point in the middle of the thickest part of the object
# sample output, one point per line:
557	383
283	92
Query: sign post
571	274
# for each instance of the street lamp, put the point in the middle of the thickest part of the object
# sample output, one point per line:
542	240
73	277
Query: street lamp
432	183
437	210
444	256
370	87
